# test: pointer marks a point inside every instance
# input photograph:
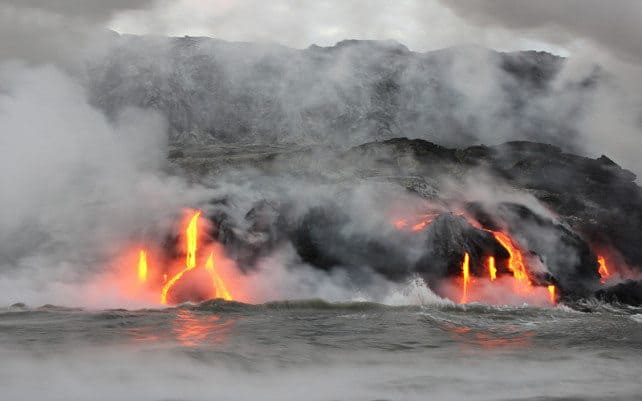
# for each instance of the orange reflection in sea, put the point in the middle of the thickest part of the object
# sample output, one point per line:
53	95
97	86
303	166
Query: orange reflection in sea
503	337
193	328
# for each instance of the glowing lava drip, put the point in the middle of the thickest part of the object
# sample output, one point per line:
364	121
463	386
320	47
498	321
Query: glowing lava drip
190	264
603	270
522	284
217	282
515	259
516	265
551	293
465	269
142	266
492	270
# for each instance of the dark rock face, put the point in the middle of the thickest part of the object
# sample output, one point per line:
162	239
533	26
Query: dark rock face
569	258
324	238
628	292
447	239
585	199
595	198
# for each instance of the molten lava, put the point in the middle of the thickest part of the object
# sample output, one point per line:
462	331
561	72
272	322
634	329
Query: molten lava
603	270
465	268
519	286
515	260
192	240
168	281
217	281
551	293
191	235
492	270
142	266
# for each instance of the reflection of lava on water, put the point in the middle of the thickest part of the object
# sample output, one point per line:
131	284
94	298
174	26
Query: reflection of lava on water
192	329
498	337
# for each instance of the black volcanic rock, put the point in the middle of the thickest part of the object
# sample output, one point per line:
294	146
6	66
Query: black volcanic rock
568	257
325	239
448	238
596	198
628	292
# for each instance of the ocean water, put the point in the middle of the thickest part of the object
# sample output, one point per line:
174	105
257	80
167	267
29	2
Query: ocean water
312	350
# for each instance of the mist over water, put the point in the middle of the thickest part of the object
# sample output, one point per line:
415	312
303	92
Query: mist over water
320	351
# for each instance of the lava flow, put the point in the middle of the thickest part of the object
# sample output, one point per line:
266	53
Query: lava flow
190	279
465	269
142	266
492	270
603	270
191	235
191	238
495	289
519	286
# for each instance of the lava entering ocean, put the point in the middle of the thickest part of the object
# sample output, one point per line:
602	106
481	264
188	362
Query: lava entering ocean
495	286
603	271
195	278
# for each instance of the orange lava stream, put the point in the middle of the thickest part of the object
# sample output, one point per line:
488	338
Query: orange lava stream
142	266
219	285
192	240
492	270
516	260
171	283
190	260
603	270
465	268
551	292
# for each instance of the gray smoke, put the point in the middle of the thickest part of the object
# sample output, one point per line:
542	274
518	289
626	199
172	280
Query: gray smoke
76	187
56	31
613	26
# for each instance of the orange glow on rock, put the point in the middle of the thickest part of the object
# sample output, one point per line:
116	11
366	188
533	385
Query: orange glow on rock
603	270
400	223
219	289
416	224
465	268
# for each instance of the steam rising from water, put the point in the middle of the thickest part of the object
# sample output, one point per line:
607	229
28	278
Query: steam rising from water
75	186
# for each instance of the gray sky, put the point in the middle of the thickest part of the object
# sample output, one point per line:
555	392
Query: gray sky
420	24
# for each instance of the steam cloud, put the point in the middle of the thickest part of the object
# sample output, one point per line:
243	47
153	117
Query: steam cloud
81	173
74	185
